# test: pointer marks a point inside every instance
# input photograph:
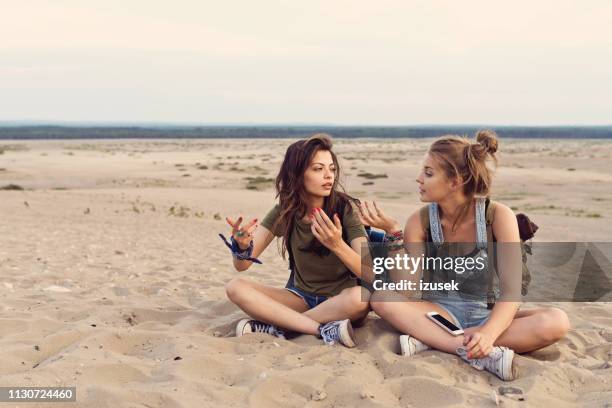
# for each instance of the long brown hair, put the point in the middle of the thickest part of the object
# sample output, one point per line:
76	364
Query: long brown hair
292	195
460	158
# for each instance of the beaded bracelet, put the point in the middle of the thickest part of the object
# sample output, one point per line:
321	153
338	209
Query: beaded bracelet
394	236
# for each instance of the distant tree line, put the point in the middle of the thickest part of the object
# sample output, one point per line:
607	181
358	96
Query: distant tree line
260	132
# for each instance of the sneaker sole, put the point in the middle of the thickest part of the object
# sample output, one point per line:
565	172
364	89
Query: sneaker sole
240	327
510	370
347	335
405	346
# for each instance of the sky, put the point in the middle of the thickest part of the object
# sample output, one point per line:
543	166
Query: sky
335	62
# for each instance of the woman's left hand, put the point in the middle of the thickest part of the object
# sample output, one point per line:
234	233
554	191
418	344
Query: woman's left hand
375	217
327	232
479	344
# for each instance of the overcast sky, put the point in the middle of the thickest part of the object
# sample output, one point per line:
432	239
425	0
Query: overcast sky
339	62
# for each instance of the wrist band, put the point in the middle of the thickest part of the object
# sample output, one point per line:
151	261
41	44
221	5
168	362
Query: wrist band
394	246
237	252
394	236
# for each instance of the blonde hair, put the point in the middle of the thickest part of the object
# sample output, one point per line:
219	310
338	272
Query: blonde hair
460	158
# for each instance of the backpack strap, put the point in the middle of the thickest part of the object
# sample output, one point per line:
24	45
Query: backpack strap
490	207
426	225
291	280
424	215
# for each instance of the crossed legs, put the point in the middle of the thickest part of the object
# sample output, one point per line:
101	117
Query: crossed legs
530	330
285	309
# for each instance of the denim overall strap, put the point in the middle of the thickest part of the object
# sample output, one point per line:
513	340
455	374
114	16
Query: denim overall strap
434	224
481	224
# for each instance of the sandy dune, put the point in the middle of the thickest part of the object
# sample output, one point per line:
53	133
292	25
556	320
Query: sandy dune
112	277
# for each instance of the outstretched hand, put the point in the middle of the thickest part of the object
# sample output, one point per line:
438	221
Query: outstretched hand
375	217
242	235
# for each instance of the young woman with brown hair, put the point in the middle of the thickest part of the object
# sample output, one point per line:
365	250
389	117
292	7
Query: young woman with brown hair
455	180
323	235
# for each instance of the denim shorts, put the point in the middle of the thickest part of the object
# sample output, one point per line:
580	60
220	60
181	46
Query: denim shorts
311	299
465	313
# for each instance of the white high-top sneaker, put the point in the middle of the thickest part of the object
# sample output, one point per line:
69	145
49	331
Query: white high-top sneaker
498	362
411	346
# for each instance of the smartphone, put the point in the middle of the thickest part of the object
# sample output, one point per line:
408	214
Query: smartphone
441	321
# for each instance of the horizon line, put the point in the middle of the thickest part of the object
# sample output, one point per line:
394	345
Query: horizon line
187	124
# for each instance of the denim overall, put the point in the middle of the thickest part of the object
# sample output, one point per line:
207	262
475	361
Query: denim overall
468	305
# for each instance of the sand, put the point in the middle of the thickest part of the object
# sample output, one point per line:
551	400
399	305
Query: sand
112	278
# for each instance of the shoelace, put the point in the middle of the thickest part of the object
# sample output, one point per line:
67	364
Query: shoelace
489	362
261	327
330	333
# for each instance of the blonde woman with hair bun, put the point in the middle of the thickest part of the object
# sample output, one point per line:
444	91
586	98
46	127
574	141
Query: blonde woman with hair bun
455	180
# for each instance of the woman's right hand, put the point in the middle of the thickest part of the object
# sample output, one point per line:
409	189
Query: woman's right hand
242	235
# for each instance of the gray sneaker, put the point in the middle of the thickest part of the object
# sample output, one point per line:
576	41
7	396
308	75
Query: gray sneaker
247	326
498	362
339	331
411	346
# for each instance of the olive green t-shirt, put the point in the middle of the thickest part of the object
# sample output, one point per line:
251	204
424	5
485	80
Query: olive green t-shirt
321	275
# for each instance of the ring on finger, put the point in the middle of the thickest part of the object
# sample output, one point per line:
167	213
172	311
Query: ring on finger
240	233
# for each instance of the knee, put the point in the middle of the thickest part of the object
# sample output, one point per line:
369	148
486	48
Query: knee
554	325
379	303
382	302
233	289
357	299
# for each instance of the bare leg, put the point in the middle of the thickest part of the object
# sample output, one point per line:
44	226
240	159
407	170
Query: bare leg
271	305
530	329
409	317
352	303
533	329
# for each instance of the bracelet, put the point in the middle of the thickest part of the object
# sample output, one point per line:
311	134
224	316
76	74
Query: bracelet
394	246
394	236
237	252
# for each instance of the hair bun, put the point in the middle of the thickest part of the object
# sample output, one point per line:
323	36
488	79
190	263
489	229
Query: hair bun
488	140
